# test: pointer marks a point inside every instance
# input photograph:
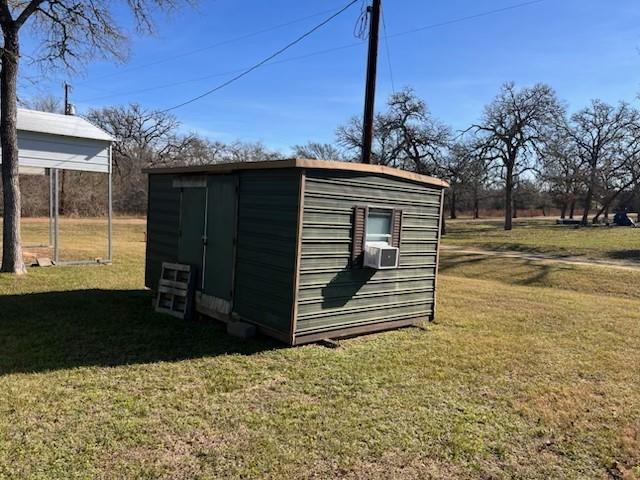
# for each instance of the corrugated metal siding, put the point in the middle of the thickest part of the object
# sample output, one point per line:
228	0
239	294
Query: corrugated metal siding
163	223
43	150
331	294
266	245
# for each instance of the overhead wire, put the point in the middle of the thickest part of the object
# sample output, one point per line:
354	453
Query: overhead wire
265	60
212	46
360	29
221	74
388	51
466	18
324	51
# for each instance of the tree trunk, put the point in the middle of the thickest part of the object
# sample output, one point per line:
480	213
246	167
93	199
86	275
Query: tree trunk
12	260
508	198
607	204
589	198
452	204
572	209
476	207
563	210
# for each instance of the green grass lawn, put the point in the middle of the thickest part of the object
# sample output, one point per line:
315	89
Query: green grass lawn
543	236
531	371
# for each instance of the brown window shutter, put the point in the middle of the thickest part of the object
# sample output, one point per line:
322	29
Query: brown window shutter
396	227
358	234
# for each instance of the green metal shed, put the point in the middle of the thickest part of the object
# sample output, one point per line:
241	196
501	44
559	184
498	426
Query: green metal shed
303	249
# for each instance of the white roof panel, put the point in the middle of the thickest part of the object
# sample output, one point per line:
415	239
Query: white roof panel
57	124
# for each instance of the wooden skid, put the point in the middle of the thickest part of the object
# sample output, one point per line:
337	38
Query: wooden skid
347	332
175	291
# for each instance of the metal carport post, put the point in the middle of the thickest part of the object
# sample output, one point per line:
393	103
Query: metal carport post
110	208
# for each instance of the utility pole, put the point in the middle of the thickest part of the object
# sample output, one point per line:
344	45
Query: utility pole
67	105
370	93
59	178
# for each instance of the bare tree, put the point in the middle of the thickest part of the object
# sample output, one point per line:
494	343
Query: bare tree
240	151
423	139
478	173
405	136
145	137
562	170
513	125
386	146
622	175
318	151
67	33
466	170
604	136
202	151
44	103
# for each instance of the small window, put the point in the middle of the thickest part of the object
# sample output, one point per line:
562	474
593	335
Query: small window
374	224
379	225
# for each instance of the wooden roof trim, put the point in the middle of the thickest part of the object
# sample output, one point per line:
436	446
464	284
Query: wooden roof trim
222	168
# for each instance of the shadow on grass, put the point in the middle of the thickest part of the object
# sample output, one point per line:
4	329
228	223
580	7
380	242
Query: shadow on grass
535	275
493	226
633	255
59	330
524	249
451	262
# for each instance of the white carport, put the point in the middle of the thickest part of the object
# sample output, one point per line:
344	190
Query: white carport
54	142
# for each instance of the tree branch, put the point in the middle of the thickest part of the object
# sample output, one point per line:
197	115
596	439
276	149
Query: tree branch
6	19
29	10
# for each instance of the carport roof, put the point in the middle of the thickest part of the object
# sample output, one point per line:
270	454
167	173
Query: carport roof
57	124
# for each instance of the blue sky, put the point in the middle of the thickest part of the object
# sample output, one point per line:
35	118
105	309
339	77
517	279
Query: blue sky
584	48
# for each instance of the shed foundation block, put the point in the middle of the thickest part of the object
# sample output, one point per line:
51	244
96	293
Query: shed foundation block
241	330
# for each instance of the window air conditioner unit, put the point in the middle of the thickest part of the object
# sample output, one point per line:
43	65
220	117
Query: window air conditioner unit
380	256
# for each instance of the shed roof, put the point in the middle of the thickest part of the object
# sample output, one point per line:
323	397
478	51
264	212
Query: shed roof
57	124
221	168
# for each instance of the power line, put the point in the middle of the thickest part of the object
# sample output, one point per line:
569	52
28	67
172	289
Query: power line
320	52
360	29
468	17
388	51
262	62
212	46
220	74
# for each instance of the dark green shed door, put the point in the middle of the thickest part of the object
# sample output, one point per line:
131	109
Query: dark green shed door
221	231
192	215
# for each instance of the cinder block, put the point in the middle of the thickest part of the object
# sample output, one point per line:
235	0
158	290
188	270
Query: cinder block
241	330
44	262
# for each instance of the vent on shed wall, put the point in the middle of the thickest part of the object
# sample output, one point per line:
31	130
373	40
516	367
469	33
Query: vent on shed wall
359	234
396	227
